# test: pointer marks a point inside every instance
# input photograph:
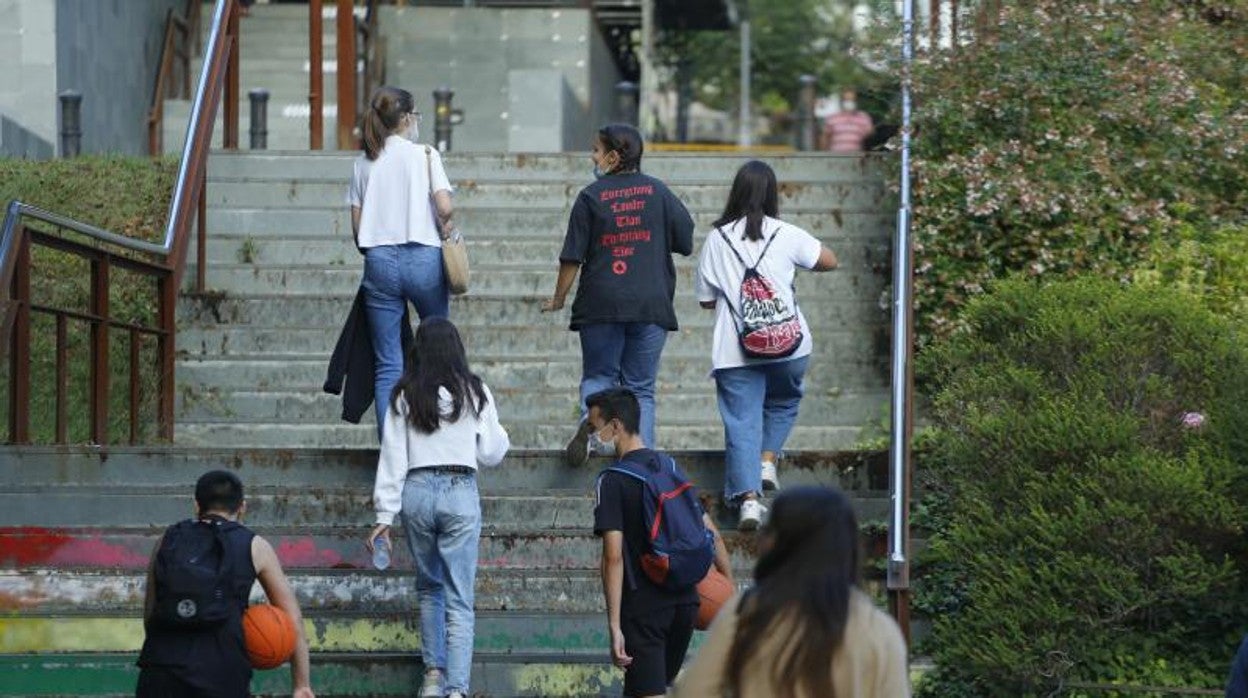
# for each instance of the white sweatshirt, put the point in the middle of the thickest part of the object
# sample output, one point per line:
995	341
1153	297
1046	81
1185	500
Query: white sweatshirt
469	441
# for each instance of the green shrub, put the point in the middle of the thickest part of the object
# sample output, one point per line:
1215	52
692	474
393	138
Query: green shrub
1079	136
128	196
1082	531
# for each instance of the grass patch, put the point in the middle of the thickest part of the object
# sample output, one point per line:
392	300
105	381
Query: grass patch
124	195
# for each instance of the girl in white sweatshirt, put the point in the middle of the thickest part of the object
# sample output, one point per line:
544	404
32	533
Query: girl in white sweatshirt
441	425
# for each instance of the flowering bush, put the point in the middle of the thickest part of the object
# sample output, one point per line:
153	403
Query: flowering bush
1084	483
1076	137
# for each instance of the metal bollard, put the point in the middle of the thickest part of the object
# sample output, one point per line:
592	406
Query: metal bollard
259	118
71	123
806	113
626	98
442	118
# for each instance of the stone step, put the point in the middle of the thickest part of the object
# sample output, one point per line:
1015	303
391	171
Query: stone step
674	169
484	245
471	310
832	226
505	632
521	471
51	591
687	408
677	373
258	341
305	547
341	435
854	195
113	675
533	278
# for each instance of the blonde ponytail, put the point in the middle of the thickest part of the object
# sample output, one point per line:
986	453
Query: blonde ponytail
385	112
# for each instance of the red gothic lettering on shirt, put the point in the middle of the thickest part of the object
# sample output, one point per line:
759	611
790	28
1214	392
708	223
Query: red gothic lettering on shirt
623	251
625	193
614	239
627	221
630	206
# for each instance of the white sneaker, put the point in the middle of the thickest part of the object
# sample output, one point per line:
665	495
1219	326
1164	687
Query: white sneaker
432	686
455	694
770	481
751	515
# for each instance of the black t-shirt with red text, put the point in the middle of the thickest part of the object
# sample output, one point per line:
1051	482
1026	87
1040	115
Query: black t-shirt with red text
623	231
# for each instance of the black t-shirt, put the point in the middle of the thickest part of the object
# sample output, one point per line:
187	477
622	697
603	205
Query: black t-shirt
619	508
213	660
623	231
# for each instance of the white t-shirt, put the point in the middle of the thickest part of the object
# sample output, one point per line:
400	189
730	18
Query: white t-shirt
393	195
471	440
720	274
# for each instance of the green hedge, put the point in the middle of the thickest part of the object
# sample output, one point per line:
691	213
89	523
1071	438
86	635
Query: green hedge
1077	137
128	196
1082	532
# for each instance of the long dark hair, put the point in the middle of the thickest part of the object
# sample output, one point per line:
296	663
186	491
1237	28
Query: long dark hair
626	142
753	196
385	110
806	578
437	360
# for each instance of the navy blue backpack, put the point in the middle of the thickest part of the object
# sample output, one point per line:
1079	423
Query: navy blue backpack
679	549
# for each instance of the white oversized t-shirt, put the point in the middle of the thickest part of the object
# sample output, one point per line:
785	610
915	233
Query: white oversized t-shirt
720	274
393	194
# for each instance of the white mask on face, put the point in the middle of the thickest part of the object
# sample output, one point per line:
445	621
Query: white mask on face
849	105
413	132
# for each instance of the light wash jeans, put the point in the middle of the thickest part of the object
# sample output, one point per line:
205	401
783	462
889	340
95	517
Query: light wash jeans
394	275
623	354
442	517
758	404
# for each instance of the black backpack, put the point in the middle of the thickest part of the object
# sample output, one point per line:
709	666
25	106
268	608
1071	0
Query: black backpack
766	327
193	575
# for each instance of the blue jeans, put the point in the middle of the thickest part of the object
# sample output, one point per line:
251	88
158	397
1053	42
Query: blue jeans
623	354
394	275
758	404
442	517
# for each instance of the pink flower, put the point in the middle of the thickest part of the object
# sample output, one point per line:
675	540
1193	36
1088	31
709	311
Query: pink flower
1192	420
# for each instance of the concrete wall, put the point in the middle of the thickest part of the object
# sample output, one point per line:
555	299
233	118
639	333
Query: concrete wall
475	50
28	78
109	50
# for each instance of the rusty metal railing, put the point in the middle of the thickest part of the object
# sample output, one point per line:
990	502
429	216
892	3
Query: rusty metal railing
181	42
105	251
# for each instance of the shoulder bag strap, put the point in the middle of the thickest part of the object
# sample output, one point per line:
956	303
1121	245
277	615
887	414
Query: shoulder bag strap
432	202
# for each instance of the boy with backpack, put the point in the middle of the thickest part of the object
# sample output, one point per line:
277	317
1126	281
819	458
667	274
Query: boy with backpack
657	544
198	584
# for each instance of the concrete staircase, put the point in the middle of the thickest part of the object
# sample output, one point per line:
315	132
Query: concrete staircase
273	51
77	526
283	272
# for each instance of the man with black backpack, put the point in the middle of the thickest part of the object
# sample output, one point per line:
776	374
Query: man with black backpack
657	544
198	584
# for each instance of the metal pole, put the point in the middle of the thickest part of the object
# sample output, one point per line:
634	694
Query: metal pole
745	134
901	422
316	78
649	81
806	113
626	102
442	117
71	124
259	118
346	75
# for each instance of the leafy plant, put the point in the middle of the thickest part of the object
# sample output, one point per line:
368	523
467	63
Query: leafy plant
1085	481
1075	137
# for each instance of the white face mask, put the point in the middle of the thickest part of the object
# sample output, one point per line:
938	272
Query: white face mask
849	105
600	446
413	132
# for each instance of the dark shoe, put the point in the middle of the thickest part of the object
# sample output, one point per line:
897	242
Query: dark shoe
577	451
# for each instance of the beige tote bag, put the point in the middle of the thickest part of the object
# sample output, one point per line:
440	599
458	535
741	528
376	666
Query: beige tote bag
454	254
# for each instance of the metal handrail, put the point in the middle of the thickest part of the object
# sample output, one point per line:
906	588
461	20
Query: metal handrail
220	66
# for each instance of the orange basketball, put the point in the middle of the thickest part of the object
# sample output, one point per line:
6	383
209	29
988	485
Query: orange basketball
713	591
269	634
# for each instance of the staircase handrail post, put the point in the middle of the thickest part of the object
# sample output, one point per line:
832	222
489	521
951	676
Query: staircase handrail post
316	78
347	60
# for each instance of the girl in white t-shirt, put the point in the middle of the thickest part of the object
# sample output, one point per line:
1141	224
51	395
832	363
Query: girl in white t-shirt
401	210
758	398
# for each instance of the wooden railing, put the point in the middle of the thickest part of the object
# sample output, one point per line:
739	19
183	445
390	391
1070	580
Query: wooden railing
27	228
